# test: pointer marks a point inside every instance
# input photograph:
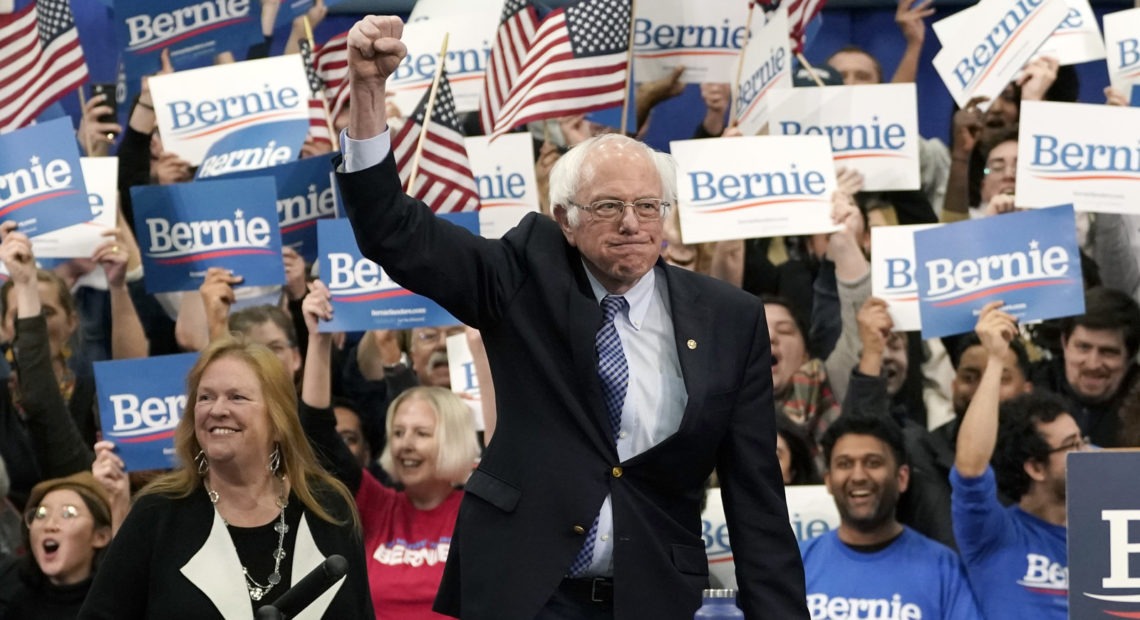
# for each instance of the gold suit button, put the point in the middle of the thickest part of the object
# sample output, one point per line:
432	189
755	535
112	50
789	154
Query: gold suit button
616	472
692	344
578	529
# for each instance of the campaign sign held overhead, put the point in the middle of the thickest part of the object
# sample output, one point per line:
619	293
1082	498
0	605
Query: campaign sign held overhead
761	186
766	66
254	148
197	108
185	229
41	183
471	26
101	175
1075	40
983	55
193	30
504	174
140	404
1122	43
305	194
704	37
872	129
1028	260
1080	153
363	296
1104	534
892	273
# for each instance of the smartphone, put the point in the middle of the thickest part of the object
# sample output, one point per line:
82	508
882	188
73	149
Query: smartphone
108	90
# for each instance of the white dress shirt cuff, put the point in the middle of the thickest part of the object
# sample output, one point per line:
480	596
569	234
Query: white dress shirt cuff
363	154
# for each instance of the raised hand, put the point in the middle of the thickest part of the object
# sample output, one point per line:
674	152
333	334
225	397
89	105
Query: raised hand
375	49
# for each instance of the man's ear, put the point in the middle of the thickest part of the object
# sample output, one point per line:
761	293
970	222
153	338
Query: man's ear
1035	470
563	218
904	478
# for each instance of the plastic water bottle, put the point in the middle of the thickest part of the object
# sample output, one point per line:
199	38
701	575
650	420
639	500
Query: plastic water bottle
719	605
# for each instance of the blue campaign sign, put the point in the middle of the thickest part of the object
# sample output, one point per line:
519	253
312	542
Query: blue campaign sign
1028	260
304	195
140	403
185	229
1104	534
363	296
193	30
41	185
254	148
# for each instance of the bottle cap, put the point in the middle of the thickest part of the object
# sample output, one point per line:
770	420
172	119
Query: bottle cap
720	593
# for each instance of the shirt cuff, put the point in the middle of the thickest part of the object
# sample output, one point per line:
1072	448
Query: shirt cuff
363	154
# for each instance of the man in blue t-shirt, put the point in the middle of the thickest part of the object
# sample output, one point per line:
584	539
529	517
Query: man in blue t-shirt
872	566
1015	557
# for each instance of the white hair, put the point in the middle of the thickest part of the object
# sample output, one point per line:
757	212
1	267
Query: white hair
569	171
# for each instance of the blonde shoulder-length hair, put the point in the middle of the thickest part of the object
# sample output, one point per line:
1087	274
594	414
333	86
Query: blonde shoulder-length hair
454	430
306	477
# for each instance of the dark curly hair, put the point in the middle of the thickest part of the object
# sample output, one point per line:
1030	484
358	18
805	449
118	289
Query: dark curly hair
1019	440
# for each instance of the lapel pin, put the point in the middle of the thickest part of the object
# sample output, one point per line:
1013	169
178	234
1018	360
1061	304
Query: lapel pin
692	344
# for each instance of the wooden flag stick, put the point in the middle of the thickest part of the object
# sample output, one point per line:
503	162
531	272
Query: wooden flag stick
427	115
734	107
629	72
321	95
811	71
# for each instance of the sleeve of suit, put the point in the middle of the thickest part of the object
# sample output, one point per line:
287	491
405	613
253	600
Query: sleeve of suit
471	277
768	566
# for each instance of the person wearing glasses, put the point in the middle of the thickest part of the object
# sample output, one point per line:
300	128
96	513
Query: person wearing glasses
1015	556
621	383
68	524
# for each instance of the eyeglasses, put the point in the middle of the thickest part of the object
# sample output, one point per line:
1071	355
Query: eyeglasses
40	514
998	166
1073	445
646	209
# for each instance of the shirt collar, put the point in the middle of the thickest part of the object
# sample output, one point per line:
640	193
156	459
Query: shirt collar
638	296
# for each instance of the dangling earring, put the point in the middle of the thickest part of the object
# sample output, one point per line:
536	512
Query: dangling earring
275	459
203	462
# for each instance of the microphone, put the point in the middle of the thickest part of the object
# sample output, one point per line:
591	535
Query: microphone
305	591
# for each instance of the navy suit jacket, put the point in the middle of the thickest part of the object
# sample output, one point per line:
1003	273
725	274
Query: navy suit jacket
552	461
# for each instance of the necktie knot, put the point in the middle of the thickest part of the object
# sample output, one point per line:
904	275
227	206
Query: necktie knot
611	305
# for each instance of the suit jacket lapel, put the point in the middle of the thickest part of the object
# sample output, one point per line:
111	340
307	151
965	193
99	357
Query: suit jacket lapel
584	317
691	325
216	571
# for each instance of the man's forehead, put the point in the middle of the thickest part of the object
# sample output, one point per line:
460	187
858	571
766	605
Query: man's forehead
1102	337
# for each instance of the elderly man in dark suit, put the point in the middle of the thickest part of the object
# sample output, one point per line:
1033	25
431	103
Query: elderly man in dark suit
621	384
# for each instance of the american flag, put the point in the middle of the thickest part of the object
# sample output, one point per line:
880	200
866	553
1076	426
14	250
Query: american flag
331	64
576	63
40	59
516	31
318	115
444	180
800	14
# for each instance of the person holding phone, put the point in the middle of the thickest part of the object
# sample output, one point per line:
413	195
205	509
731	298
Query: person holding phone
99	126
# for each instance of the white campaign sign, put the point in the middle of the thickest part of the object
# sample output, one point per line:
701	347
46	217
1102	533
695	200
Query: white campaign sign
100	175
197	108
704	37
1084	154
984	52
1076	40
892	273
767	67
761	186
811	513
471	26
504	174
1122	40
873	129
461	367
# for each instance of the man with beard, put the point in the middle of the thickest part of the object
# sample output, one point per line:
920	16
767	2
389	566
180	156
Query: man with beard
1095	369
873	566
1015	556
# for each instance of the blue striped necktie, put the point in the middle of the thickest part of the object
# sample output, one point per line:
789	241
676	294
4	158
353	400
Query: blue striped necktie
613	370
